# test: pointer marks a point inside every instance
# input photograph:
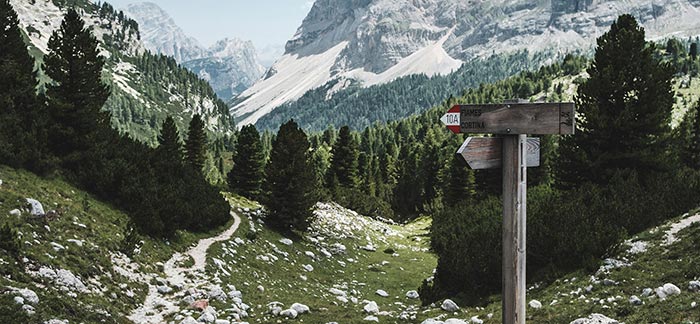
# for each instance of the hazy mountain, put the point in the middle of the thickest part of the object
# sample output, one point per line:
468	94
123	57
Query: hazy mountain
230	65
376	41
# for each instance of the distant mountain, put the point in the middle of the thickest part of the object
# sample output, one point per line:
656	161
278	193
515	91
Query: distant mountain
160	34
145	87
370	42
230	65
269	54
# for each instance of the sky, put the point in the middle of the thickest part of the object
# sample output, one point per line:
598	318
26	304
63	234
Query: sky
265	22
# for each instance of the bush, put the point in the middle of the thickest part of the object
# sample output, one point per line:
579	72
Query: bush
363	203
467	239
9	240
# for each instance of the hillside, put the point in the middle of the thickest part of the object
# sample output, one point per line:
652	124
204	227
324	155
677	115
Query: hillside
145	87
70	270
370	42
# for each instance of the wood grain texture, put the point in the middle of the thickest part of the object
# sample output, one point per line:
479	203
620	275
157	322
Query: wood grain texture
526	118
487	152
514	228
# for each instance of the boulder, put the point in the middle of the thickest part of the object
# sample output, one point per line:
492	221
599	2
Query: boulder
666	290
29	296
647	292
289	313
300	308
412	294
634	300
371	318
454	321
535	304
19	300
286	241
382	293
694	286
189	320
15	212
476	320
449	305
308	267
371	308
432	321
337	292
595	319
164	289
36	209
216	293
29	309
222	321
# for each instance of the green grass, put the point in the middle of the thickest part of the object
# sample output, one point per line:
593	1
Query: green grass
370	271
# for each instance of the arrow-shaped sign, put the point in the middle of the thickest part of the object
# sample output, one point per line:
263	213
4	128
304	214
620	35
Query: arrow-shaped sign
486	152
516	118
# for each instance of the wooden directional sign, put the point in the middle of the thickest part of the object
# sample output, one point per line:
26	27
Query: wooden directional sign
487	152
515	118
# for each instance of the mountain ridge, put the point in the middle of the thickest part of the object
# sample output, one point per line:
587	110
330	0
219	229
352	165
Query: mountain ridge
363	40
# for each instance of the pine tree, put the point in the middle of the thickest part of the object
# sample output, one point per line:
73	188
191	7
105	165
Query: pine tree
459	184
248	164
290	180
625	107
691	138
169	141
22	117
77	93
344	161
196	144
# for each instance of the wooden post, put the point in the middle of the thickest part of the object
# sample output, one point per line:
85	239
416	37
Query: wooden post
514	216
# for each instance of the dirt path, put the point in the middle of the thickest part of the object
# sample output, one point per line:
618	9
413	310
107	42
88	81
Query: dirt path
156	305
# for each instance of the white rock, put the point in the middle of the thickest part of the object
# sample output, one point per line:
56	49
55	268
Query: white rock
189	320
29	309
371	318
449	305
300	308
693	305
29	296
634	300
694	286
371	308
163	289
454	321
382	293
671	289
56	321
535	304
646	292
19	300
15	212
595	319
261	288
57	247
216	293
36	208
369	247
308	267
337	292
476	320
286	241
289	313
76	242
222	321
342	299
310	254
432	321
207	317
412	294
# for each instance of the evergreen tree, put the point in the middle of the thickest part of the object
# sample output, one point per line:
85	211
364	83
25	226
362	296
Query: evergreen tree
344	161
693	50
248	164
459	184
196	144
625	107
169	141
77	93
290	180
691	140
22	120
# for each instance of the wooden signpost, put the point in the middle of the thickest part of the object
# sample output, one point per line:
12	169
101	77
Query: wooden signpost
514	152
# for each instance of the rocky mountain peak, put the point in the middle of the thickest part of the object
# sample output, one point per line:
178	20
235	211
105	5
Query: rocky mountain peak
161	34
